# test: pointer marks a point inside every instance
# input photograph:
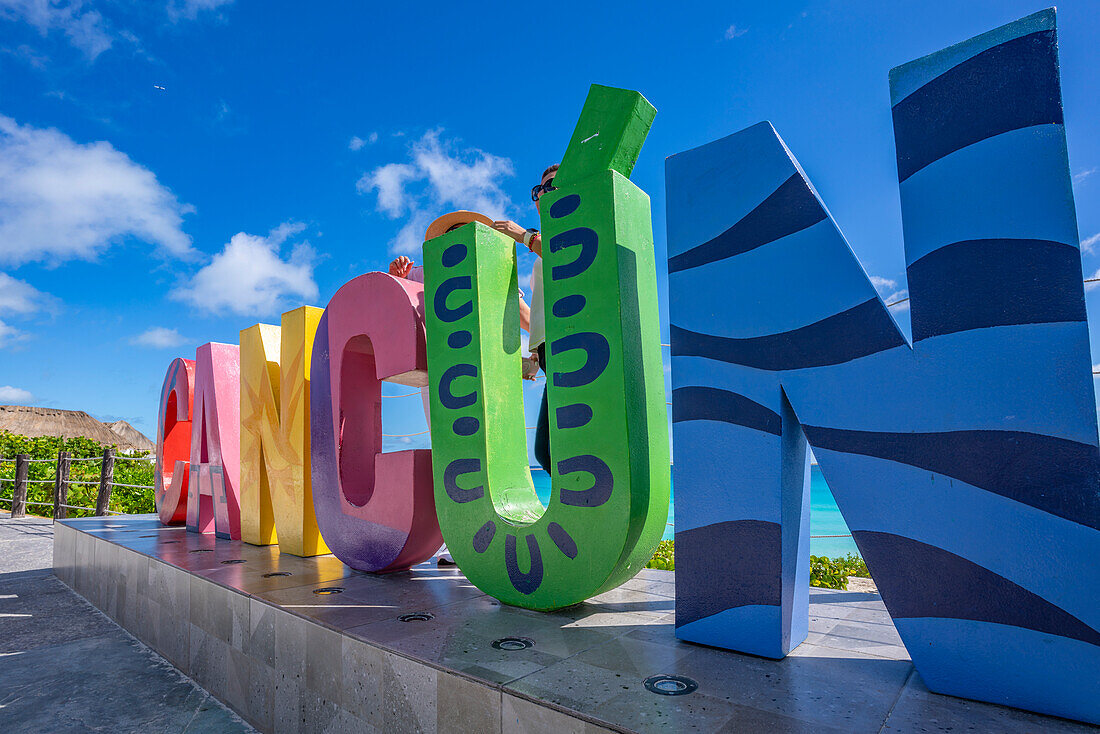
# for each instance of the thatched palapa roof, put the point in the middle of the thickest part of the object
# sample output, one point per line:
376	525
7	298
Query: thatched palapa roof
29	421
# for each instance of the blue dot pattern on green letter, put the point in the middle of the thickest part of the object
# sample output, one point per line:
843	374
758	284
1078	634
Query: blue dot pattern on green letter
609	435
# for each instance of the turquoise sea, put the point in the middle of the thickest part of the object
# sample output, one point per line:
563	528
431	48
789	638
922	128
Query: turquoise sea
825	517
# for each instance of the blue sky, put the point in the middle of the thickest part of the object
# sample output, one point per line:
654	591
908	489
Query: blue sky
171	173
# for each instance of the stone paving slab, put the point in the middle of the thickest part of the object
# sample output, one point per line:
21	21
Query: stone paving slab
65	667
289	658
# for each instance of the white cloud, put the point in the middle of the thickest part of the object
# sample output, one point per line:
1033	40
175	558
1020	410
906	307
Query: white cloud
284	232
389	181
410	238
888	290
249	277
60	199
883	285
1095	278
190	9
158	337
735	32
19	296
14	396
440	177
1089	243
86	29
29	56
1082	175
9	335
357	143
897	301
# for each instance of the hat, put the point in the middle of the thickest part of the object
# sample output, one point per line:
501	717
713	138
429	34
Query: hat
444	223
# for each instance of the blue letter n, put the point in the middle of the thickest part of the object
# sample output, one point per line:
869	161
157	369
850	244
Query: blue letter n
965	464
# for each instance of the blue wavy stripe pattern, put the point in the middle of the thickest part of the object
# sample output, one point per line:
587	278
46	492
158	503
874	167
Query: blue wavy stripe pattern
981	283
826	342
791	208
963	590
975	300
715	584
1009	86
711	404
1045	472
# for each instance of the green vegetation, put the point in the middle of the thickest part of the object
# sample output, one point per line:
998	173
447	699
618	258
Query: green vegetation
664	558
833	573
123	499
828	573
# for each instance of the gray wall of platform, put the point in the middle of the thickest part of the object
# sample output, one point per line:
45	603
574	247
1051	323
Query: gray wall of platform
279	671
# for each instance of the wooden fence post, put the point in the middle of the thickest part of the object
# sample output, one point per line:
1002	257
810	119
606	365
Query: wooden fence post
61	486
19	493
106	477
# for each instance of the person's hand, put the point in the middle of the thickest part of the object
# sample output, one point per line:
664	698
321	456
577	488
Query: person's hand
531	367
511	229
400	266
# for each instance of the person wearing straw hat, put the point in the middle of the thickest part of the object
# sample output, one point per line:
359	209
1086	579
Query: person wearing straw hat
403	267
532	239
531	318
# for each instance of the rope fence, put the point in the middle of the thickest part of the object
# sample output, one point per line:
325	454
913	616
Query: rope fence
27	502
51	504
61	482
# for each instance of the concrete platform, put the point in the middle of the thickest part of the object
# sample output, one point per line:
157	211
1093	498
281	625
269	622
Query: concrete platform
65	667
288	658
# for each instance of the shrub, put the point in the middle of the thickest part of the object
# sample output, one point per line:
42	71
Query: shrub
828	573
128	500
833	573
664	558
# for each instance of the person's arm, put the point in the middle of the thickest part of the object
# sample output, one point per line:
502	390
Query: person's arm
517	233
524	314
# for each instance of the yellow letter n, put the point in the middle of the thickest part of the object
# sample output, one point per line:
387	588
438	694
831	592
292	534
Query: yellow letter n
276	493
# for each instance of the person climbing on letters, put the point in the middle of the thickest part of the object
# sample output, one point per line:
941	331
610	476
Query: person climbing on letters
532	239
404	267
531	317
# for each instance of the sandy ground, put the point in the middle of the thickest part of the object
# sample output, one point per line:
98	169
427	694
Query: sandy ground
858	584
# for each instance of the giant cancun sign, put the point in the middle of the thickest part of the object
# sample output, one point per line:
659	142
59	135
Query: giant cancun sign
978	435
